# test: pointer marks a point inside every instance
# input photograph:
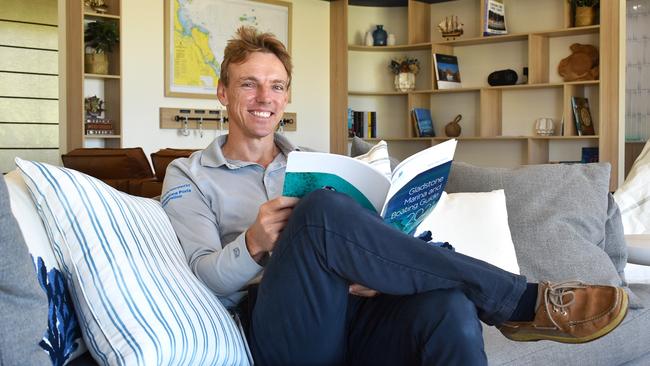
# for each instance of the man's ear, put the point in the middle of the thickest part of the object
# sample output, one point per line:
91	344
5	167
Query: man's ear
221	93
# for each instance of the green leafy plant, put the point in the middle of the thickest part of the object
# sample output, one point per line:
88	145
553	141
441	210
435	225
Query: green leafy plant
404	64
94	106
101	36
584	3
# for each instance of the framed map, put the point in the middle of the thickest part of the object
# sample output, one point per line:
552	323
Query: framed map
196	32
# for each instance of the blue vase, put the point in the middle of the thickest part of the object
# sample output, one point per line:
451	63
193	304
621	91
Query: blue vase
379	36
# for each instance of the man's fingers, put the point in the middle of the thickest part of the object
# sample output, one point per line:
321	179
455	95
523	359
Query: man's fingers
285	202
360	290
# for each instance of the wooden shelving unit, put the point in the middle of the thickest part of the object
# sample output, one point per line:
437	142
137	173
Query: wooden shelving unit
496	120
80	84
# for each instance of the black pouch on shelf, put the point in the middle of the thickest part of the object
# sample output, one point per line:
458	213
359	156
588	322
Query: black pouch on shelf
503	77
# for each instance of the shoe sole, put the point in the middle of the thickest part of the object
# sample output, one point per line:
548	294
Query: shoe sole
532	337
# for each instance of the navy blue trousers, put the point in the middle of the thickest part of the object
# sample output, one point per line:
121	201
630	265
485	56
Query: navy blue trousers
428	312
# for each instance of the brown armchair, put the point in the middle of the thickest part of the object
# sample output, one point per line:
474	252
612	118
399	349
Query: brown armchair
124	169
160	159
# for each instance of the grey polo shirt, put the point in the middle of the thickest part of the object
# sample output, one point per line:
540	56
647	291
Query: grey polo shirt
211	202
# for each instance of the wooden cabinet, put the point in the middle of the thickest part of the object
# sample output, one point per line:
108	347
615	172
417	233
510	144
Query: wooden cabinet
498	122
81	84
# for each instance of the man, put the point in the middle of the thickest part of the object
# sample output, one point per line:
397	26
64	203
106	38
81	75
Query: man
341	287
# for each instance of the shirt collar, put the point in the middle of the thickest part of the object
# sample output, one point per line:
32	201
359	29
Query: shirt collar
212	156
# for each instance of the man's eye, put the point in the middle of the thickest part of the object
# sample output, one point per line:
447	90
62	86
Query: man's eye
247	85
278	87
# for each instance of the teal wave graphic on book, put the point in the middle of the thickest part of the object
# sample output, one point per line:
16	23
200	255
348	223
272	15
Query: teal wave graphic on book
299	184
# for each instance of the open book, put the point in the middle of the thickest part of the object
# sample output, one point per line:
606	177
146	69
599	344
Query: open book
403	201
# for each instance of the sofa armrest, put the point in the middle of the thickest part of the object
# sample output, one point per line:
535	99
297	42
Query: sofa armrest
638	247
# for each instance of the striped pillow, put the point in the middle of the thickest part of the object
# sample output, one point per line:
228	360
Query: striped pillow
378	157
128	276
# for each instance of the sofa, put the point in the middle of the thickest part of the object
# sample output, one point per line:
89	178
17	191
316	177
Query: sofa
563	222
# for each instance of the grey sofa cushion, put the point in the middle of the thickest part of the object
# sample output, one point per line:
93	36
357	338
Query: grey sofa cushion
563	224
630	342
23	318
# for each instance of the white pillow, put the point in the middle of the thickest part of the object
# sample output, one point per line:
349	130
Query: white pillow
128	275
633	196
475	224
62	341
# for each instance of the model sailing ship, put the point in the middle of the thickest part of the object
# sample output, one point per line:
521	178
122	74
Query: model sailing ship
451	28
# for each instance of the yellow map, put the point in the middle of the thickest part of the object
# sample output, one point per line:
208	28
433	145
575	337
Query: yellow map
194	62
198	32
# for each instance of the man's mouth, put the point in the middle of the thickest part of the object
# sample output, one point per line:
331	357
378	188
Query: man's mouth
261	114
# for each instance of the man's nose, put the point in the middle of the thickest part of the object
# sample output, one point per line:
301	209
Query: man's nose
263	94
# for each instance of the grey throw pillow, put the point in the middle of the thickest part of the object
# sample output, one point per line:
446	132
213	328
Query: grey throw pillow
23	318
563	221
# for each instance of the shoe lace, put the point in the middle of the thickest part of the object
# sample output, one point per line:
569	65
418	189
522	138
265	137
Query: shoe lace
554	297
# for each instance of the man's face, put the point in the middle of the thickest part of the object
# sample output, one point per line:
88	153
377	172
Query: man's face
256	95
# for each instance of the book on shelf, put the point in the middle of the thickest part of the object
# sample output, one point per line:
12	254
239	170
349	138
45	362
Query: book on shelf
582	116
350	122
362	124
423	122
495	18
403	200
447	71
589	155
98	126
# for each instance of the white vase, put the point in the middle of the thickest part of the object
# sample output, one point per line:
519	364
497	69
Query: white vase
545	127
368	39
405	81
391	39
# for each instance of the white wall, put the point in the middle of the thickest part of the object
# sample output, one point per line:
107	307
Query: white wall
143	78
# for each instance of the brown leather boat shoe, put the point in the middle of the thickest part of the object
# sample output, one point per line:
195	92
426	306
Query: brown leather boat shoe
571	312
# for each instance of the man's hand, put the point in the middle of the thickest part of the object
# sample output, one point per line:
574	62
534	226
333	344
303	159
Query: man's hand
271	219
359	290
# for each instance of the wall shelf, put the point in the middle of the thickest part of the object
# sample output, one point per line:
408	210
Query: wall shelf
502	116
80	84
396	48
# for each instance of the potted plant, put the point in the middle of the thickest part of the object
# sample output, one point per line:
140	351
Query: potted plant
585	12
405	69
100	37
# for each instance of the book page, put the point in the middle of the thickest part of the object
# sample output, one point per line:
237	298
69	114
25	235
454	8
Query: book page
309	171
416	186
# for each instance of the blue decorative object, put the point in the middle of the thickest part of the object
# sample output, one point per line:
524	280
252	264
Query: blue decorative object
379	36
426	236
60	339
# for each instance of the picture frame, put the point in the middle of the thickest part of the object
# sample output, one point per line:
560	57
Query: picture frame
447	71
194	42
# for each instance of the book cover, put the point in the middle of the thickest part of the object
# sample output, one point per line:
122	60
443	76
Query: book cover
423	122
495	18
589	155
447	71
403	201
582	116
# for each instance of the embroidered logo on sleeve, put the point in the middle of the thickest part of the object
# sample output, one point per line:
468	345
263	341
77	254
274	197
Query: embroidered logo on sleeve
175	193
236	252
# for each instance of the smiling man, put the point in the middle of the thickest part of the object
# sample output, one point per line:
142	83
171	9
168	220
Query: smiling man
341	286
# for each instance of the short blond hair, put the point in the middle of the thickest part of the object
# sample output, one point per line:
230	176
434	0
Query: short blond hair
248	40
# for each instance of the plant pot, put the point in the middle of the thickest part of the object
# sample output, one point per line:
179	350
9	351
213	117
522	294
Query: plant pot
585	15
405	81
96	63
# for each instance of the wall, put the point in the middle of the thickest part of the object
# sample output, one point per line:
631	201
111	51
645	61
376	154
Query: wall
143	78
29	120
